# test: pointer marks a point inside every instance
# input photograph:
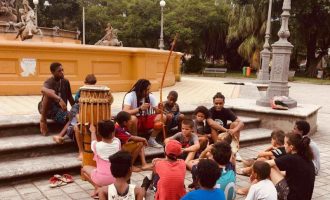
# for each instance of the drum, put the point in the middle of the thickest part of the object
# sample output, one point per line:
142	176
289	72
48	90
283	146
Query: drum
94	105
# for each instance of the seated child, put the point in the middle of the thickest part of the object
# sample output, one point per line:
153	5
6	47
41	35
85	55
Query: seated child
274	151
208	173
132	144
71	128
169	173
121	168
101	176
201	128
263	188
172	111
221	153
188	140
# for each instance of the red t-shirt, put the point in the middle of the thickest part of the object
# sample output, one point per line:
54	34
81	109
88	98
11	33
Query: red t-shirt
171	179
122	134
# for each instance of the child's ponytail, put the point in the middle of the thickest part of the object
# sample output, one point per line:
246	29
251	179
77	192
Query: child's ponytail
305	150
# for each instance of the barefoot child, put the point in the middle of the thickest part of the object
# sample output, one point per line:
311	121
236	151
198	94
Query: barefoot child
132	144
71	128
172	111
263	188
121	168
101	176
188	140
201	128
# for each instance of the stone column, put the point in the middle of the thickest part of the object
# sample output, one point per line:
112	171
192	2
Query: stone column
263	75
281	60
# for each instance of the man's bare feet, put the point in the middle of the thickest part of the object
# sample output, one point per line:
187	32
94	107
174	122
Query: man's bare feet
147	166
135	169
43	128
58	139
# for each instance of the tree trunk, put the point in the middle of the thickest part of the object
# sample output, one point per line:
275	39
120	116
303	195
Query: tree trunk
311	63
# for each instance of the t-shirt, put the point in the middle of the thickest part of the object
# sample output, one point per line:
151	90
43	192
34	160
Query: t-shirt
300	175
104	150
122	134
222	116
171	179
316	155
227	181
185	142
280	151
61	87
131	100
205	194
264	190
201	127
113	194
171	109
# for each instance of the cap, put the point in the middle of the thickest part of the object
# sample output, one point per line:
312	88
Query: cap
173	147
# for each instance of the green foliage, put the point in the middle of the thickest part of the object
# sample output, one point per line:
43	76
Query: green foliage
194	65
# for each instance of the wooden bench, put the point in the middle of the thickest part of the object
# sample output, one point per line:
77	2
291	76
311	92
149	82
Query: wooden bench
215	71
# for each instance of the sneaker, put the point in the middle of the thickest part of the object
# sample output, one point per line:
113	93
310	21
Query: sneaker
238	157
146	183
152	142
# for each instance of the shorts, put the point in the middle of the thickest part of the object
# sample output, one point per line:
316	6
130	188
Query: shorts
145	123
70	130
175	121
101	179
282	189
57	114
131	146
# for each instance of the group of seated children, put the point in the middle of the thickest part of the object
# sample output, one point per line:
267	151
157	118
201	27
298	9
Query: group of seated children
207	145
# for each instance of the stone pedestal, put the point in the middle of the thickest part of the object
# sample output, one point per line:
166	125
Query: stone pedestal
263	75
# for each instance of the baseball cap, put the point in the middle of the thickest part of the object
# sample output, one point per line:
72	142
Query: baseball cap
173	147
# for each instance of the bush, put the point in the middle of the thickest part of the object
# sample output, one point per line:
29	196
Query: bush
194	65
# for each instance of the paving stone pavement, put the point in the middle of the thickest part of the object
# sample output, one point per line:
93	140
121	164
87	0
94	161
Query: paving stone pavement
39	189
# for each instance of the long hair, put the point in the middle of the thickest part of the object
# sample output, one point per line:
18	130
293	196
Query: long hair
139	88
301	144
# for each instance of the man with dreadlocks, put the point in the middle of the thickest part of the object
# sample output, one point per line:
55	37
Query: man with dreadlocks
143	107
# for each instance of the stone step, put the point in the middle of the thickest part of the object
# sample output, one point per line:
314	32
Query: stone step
250	122
32	145
18	169
250	137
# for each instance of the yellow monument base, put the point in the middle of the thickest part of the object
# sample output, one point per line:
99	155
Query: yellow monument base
24	66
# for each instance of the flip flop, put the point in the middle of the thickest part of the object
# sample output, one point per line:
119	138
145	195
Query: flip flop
55	182
66	178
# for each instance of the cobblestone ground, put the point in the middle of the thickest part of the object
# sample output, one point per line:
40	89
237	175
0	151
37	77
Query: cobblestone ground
39	189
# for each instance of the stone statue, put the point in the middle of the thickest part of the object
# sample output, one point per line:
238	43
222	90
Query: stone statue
7	11
27	26
110	38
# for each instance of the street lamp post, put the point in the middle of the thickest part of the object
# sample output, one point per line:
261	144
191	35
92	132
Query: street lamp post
162	4
83	15
36	2
278	85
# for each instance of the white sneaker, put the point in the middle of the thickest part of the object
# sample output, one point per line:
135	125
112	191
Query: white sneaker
152	142
238	157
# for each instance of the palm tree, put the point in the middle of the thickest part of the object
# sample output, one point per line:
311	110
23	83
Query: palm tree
247	25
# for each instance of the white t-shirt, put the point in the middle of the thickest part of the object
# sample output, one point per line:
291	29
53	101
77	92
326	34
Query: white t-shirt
316	155
131	100
113	194
263	190
104	150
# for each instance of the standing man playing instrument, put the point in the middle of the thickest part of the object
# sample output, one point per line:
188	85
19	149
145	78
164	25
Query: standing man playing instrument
143	107
56	93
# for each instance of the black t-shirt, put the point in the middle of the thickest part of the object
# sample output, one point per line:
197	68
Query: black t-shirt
300	176
61	87
280	151
222	116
